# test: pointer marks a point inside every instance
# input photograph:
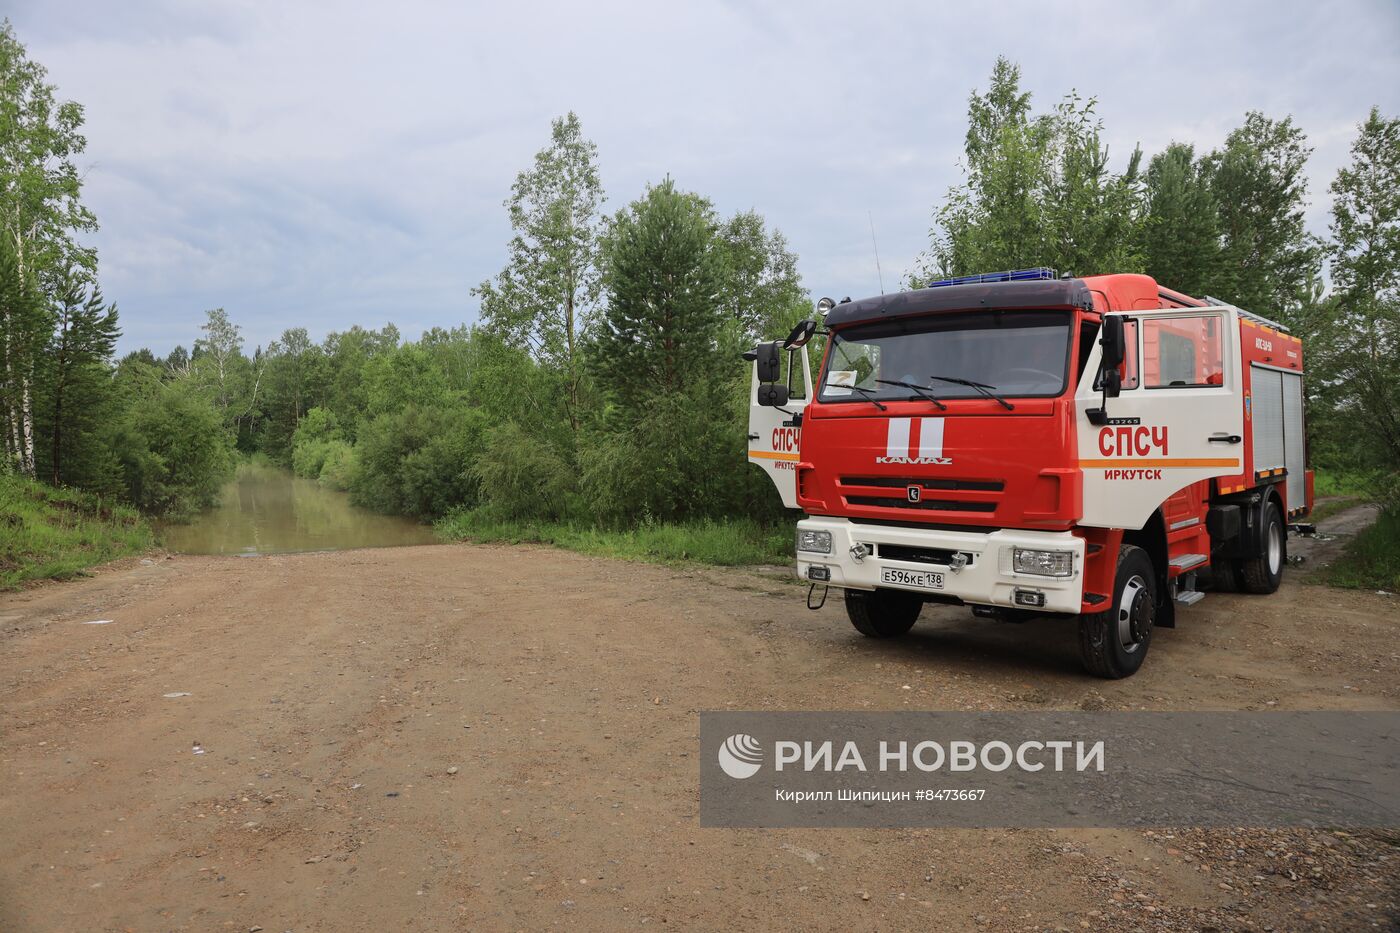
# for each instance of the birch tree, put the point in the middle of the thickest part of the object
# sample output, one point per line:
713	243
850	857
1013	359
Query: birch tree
40	216
543	297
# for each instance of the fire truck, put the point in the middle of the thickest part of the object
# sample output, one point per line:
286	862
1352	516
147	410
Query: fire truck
1026	444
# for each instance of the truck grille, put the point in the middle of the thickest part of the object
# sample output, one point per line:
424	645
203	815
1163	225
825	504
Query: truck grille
904	482
921	555
932	505
891	492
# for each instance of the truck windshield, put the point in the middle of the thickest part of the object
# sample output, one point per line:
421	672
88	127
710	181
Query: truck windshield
1018	354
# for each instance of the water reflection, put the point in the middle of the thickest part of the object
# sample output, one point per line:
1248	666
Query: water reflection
265	510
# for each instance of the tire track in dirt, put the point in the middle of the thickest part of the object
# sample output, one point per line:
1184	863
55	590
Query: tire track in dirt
564	690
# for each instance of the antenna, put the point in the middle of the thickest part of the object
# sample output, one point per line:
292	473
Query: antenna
875	244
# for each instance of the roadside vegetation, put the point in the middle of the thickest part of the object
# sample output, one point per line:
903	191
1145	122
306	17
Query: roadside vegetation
55	533
1372	559
599	401
732	543
1335	492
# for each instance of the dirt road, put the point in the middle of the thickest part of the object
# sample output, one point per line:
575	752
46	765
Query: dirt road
454	737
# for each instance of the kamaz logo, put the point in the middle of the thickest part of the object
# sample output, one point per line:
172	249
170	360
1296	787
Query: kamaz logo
914	441
927	461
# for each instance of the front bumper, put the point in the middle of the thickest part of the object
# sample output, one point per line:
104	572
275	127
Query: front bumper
987	579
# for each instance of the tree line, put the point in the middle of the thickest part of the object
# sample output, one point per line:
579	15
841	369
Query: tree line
1040	189
603	382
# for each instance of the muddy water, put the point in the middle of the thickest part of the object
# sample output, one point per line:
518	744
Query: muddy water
265	510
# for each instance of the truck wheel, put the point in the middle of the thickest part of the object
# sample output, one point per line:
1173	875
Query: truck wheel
883	613
1264	573
1113	643
1224	575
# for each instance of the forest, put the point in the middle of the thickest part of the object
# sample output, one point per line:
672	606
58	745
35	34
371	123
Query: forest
598	387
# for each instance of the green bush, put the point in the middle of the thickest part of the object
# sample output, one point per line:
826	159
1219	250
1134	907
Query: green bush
523	477
173	451
419	461
317	435
338	467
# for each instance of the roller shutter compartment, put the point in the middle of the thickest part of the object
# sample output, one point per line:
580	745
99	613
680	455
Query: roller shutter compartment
1294	447
1267	418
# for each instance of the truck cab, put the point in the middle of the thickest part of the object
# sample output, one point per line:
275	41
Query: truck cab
1025	444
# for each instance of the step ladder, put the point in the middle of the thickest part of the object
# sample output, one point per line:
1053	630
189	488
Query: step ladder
1184	586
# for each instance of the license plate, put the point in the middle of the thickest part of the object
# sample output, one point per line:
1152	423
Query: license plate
926	580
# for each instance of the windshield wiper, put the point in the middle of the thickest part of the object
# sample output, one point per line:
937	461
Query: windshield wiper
922	392
869	396
980	387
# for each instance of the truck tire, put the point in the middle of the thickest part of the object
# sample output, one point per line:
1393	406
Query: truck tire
1113	643
1264	573
1224	575
883	613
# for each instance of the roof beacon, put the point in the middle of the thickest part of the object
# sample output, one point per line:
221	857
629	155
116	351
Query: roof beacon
1019	275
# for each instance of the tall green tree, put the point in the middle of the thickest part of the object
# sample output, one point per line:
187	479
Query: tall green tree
347	354
1364	255
217	355
664	276
1181	227
1091	212
762	288
543	297
75	368
41	215
1037	191
295	377
1259	186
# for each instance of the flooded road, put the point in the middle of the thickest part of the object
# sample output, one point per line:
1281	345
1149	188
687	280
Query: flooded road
266	510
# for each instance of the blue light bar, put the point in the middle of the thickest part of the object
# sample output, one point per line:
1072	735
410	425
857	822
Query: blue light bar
1019	275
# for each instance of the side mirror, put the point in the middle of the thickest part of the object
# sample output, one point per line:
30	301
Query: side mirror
773	396
1113	339
800	335
1114	342
766	355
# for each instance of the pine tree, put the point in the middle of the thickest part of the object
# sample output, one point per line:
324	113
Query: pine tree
664	275
76	368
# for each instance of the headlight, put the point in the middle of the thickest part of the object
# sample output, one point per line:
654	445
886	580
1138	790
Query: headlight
818	542
1043	563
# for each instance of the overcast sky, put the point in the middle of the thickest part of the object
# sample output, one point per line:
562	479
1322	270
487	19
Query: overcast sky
334	164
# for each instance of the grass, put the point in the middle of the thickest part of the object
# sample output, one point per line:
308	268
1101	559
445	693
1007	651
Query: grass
1333	505
1338	483
1372	558
48	533
729	543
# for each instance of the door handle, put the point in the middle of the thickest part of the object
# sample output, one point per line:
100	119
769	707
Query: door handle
753	437
1225	438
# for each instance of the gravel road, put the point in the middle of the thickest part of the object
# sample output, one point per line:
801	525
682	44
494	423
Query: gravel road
458	737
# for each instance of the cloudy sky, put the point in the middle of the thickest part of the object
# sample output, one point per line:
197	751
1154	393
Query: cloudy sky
327	164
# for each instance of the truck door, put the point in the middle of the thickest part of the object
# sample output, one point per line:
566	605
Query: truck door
1178	420
774	439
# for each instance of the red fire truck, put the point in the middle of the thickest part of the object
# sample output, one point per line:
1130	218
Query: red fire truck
1025	444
